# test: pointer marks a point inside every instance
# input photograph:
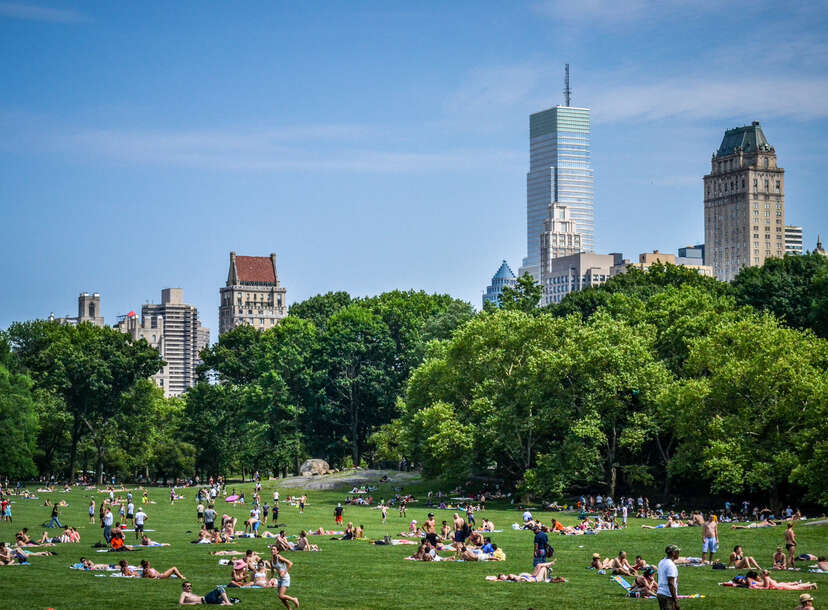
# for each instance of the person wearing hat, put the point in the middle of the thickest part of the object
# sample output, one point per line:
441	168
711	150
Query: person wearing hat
806	602
645	583
338	514
667	591
239	576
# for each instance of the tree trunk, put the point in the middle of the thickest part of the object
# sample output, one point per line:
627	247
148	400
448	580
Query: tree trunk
99	446
74	449
613	474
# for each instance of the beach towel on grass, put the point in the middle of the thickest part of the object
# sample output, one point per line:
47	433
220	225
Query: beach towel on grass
818	571
23	563
627	586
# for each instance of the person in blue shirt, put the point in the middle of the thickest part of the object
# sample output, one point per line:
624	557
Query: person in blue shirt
487	547
541	542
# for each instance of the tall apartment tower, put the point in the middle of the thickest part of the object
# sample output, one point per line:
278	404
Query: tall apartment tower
744	203
252	294
560	172
151	329
183	338
793	240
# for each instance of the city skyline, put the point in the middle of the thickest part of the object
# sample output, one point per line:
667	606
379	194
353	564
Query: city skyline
140	146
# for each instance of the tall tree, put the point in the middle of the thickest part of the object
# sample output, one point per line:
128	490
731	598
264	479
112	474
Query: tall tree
793	288
18	421
89	367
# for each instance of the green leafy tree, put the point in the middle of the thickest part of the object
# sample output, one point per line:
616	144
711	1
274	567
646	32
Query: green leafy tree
89	367
524	296
318	309
18	421
793	288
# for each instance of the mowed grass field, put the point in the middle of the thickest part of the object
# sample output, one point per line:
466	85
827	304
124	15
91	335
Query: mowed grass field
349	574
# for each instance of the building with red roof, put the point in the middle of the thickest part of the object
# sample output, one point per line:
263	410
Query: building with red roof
252	294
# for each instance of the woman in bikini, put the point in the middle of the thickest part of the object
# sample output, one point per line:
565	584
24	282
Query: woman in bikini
260	578
766	582
538	575
740	562
150	572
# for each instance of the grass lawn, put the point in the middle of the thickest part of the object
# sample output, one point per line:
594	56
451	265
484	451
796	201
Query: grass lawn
358	574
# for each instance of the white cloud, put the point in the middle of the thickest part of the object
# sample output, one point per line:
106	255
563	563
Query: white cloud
797	97
623	12
31	12
323	147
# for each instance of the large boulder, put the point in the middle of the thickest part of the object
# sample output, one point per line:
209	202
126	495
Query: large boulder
312	467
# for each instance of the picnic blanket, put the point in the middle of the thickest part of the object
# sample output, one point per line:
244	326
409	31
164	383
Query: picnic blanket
232	498
20	563
627	586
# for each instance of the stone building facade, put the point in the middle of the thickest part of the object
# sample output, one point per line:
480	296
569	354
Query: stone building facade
89	310
744	203
252	294
646	259
575	272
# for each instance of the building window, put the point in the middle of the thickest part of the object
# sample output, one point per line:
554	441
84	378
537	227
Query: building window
778	185
766	163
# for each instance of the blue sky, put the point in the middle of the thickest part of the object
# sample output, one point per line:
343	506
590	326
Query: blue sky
371	145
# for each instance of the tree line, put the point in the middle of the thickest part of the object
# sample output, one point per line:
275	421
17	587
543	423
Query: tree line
662	380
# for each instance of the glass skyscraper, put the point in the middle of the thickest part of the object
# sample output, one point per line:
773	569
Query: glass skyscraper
560	171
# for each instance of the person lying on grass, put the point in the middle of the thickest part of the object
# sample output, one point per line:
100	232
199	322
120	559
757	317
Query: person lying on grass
739	561
766	582
765	522
216	597
88	564
149	572
23	554
540	574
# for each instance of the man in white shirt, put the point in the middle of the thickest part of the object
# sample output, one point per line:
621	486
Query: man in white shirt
108	519
130	513
667	593
527	516
275	497
624	514
140	517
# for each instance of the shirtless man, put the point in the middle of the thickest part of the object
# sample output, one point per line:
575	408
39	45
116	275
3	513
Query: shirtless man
710	538
445	531
459	529
430	529
620	565
740	562
217	596
790	542
282	543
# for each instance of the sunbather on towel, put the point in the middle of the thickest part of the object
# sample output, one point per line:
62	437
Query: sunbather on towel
766	582
303	544
88	564
217	597
126	569
620	565
149	572
540	574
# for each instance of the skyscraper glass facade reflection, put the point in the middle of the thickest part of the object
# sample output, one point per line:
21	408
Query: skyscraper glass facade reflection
560	171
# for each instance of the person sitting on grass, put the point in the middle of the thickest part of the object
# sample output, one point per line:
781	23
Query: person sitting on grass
238	575
620	565
350	532
216	597
360	532
600	564
645	583
260	578
806	602
639	564
539	574
149	572
126	569
303	544
780	560
739	561
487	526
282	543
22	537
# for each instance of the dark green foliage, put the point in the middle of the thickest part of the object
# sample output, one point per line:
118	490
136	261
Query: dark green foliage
793	288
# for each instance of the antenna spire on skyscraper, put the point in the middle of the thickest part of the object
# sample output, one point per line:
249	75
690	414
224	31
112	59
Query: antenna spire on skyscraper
567	91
